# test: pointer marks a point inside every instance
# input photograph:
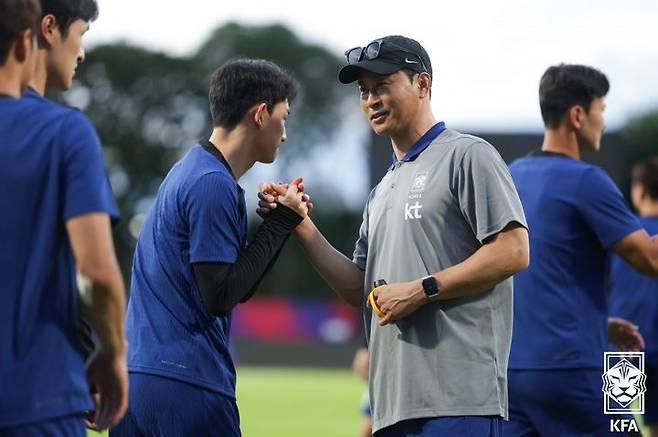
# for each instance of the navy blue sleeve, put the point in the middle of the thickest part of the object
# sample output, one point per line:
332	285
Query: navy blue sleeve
86	186
212	215
603	208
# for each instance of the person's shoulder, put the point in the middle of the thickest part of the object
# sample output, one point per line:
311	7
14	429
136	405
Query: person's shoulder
55	112
463	142
44	104
559	163
591	172
201	169
456	138
469	147
650	223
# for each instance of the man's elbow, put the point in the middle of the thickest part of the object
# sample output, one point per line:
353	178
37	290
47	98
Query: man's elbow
646	264
652	269
518	256
521	258
353	297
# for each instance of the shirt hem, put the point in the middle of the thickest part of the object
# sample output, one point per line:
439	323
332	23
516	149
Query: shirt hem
182	378
493	410
555	366
11	419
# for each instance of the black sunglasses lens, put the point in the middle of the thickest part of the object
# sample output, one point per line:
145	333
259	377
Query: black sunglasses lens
372	50
354	55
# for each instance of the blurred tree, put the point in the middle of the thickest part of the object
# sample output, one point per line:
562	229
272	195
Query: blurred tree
640	138
149	108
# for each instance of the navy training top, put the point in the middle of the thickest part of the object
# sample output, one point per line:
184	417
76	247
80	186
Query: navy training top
51	170
575	213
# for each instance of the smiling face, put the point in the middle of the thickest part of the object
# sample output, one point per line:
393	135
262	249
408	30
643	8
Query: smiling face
390	103
272	132
65	55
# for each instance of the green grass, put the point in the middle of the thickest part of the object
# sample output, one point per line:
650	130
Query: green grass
296	402
292	402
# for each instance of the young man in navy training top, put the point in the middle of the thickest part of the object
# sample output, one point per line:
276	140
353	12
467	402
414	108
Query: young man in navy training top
445	228
634	296
192	264
61	29
575	214
57	206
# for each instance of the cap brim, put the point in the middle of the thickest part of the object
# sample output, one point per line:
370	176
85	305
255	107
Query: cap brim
350	73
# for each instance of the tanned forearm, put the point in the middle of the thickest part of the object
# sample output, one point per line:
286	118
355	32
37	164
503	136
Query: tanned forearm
492	263
344	277
106	313
640	251
495	261
91	240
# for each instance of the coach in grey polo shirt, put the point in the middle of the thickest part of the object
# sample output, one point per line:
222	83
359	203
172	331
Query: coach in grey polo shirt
445	229
432	210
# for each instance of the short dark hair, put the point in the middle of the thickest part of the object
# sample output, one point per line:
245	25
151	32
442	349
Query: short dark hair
240	84
564	86
16	16
646	173
67	11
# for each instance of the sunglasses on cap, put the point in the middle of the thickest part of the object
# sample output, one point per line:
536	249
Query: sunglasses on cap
372	51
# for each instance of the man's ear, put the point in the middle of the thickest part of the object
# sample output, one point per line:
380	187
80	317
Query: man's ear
48	30
259	113
576	114
424	83
22	45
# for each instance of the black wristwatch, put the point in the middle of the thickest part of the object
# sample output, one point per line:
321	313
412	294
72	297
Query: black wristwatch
431	288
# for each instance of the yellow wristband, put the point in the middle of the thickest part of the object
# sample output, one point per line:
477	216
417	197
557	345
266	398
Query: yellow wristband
373	305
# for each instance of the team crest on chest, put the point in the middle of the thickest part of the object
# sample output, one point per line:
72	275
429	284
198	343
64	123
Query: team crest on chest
418	184
412	210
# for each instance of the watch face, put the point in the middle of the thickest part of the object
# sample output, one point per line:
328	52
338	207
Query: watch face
430	286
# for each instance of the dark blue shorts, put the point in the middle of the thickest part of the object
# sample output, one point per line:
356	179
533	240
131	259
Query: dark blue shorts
67	426
161	406
559	402
460	426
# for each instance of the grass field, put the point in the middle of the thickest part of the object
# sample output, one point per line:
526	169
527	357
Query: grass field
297	402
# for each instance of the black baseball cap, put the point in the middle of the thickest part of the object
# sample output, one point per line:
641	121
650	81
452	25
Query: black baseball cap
391	53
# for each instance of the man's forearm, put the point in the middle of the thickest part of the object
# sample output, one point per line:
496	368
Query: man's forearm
224	285
491	264
106	312
91	241
640	251
336	269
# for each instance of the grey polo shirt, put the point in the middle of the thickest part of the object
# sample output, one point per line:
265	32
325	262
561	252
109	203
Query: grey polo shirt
449	358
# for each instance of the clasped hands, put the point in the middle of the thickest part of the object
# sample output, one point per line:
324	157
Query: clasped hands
291	195
396	301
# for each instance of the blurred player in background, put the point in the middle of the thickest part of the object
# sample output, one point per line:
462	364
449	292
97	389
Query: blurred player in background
360	368
575	214
634	296
192	264
57	206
